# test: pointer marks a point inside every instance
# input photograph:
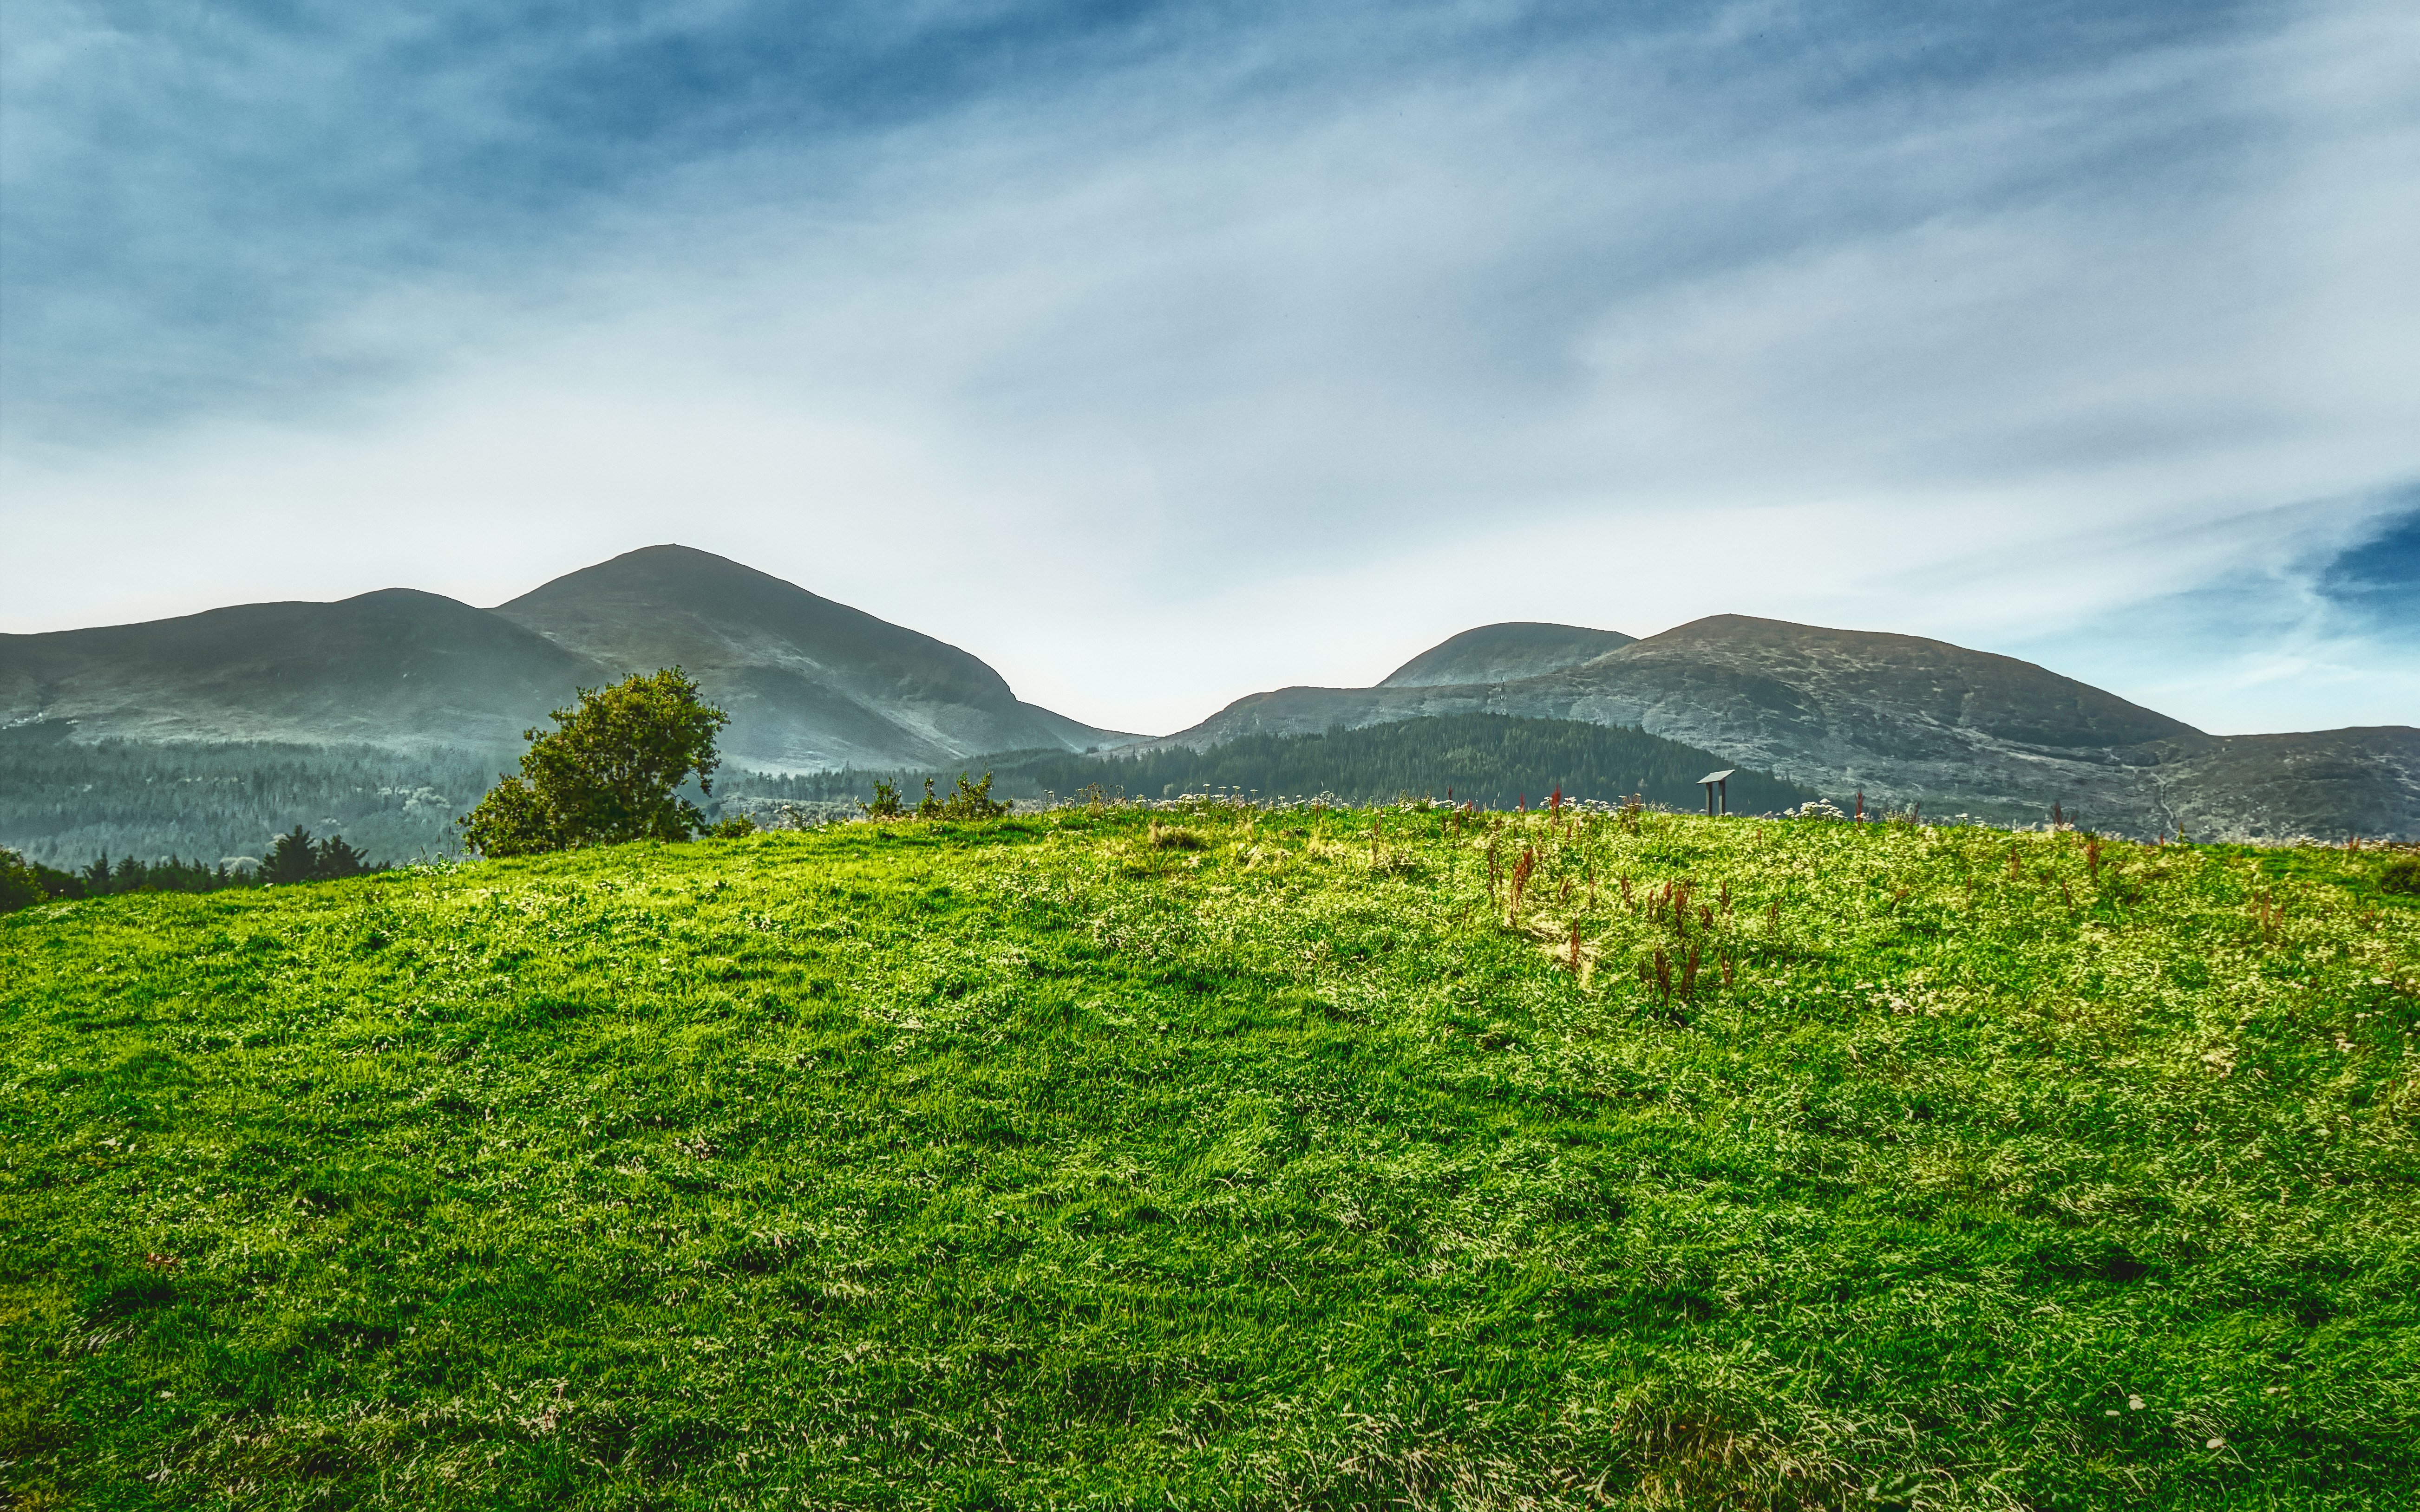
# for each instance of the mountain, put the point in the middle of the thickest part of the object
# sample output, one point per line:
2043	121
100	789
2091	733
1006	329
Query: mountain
1503	654
397	668
2326	785
327	693
808	683
1908	721
384	715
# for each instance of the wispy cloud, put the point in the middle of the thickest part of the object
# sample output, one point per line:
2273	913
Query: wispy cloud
1158	356
2306	618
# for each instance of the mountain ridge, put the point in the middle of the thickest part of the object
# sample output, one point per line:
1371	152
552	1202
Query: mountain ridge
814	684
1502	652
809	682
1913	722
406	670
396	667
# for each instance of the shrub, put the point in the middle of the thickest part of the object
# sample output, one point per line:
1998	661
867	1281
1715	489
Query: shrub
2400	875
970	800
20	888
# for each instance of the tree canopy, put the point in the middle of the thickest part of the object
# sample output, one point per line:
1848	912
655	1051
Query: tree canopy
611	771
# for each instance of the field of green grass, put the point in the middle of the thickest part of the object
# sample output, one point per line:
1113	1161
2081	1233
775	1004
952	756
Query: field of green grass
1225	1159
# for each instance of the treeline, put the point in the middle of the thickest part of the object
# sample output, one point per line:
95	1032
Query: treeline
1494	760
295	858
63	802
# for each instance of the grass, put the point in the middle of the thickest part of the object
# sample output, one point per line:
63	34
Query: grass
1052	1163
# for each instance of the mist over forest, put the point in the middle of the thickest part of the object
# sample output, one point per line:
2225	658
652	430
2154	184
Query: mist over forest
1495	761
66	802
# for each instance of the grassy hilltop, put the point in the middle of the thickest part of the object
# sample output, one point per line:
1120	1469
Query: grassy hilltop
1217	1159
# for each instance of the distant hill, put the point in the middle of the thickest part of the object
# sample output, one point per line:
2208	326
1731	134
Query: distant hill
809	683
397	668
2326	783
1504	654
375	710
1486	758
387	713
1909	720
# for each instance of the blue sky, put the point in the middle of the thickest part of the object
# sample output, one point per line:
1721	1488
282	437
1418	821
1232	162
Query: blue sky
1160	354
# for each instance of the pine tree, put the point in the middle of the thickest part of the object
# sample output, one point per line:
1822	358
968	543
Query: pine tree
334	858
292	858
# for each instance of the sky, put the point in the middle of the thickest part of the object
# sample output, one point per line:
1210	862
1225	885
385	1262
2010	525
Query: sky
1159	354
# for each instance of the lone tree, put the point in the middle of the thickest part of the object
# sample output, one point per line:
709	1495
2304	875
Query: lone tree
610	771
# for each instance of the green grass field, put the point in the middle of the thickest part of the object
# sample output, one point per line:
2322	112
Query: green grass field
1075	1161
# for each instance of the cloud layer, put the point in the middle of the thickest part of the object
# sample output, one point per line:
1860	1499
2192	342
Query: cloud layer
1161	356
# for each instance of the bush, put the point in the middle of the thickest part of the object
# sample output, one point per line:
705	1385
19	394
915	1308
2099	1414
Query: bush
2402	876
971	800
611	771
20	888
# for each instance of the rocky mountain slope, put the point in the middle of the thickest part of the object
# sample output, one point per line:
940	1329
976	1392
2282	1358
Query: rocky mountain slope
1909	721
2325	785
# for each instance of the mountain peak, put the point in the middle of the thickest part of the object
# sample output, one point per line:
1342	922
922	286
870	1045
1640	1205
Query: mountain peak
1504	653
808	682
669	568
1915	677
665	604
